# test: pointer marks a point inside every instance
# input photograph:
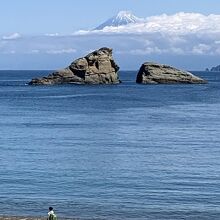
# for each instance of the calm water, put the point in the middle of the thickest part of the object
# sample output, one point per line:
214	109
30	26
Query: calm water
110	152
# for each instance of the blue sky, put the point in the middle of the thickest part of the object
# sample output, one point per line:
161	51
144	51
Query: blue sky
64	16
43	34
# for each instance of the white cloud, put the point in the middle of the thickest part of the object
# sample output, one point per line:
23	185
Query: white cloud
178	34
34	51
153	50
13	36
201	49
61	51
177	24
8	52
52	35
147	50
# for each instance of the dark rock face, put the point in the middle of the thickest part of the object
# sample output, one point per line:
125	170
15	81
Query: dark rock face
153	73
97	67
215	69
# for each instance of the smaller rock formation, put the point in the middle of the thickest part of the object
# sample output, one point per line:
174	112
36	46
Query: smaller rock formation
154	73
215	69
97	67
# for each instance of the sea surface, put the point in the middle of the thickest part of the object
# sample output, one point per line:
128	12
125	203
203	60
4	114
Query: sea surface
114	152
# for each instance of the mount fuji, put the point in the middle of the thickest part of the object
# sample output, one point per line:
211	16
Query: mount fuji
122	18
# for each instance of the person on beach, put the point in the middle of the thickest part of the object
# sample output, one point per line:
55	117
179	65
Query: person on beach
51	214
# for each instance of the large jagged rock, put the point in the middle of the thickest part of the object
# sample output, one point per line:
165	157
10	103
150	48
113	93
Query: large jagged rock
97	67
154	73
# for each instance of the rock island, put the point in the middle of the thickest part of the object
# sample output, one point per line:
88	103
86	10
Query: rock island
97	67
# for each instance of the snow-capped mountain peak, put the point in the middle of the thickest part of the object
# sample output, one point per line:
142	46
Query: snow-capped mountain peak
126	16
122	18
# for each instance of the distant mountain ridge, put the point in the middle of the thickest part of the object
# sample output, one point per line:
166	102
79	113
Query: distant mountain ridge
122	18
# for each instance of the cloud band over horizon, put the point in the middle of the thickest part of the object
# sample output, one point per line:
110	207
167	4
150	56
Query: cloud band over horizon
181	34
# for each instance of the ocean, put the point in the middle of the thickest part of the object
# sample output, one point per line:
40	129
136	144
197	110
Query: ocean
124	151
